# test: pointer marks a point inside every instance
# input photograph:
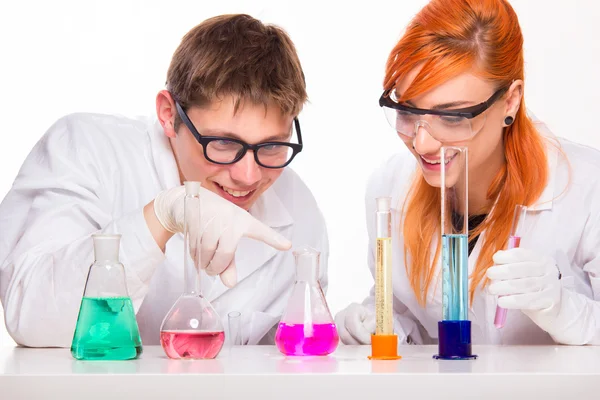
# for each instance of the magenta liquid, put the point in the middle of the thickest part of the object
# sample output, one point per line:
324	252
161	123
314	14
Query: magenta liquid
514	241
500	317
192	344
294	340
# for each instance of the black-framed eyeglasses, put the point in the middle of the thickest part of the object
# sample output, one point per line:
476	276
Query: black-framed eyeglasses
444	125
224	150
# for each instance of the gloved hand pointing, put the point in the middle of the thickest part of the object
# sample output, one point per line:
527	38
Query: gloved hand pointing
222	225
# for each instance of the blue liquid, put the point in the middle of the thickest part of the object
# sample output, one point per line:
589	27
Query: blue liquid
455	271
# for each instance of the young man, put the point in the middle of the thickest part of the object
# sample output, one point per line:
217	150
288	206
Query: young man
227	119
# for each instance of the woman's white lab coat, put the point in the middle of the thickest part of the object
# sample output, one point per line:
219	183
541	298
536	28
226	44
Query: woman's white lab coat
564	224
94	173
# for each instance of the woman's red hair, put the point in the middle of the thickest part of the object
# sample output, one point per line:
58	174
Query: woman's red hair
447	38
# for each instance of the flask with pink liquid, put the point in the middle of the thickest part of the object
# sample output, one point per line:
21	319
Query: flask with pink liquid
307	328
192	329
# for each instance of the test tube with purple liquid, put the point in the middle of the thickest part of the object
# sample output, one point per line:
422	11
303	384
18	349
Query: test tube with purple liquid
514	240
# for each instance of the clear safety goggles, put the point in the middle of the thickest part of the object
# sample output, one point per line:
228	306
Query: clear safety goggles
443	125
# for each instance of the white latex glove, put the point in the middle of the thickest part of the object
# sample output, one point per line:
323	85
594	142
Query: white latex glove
527	281
222	225
355	324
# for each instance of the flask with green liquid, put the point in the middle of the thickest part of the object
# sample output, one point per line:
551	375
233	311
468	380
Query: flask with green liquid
106	327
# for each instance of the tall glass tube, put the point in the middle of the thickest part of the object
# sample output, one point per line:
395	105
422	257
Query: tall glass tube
454	330
383	268
191	239
384	343
455	233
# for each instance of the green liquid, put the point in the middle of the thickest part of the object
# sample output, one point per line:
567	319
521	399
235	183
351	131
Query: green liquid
106	330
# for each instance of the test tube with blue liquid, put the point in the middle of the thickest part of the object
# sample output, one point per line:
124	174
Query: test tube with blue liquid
454	330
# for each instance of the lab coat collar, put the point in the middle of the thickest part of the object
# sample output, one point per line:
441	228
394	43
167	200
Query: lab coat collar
552	149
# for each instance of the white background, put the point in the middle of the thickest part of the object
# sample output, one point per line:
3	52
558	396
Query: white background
111	56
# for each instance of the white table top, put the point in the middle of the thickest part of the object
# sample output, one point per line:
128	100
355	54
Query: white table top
261	372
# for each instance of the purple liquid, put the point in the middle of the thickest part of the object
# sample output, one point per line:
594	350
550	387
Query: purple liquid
500	317
293	340
192	344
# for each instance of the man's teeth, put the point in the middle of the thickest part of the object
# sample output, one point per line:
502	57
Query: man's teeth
236	193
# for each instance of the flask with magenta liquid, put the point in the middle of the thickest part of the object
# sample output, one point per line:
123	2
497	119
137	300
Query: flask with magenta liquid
106	326
307	328
514	241
454	330
192	329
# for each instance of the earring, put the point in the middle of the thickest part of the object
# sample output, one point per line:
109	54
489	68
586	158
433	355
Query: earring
508	120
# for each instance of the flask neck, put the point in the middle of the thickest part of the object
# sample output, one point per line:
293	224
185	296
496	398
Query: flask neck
191	240
307	267
106	247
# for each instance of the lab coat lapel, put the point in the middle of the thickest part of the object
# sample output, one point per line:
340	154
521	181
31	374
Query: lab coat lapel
252	254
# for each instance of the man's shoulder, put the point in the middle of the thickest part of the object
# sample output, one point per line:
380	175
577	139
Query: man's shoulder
94	129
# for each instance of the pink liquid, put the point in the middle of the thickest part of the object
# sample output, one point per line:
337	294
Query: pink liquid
292	340
192	344
500	317
514	241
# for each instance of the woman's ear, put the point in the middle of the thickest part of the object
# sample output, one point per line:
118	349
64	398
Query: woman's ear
513	101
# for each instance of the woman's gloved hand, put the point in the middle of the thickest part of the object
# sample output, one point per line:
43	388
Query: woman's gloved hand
355	324
527	281
222	225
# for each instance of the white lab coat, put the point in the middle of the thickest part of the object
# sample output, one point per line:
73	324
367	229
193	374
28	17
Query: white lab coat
94	173
563	225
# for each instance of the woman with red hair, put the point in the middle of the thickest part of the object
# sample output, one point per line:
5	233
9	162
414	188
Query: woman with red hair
456	78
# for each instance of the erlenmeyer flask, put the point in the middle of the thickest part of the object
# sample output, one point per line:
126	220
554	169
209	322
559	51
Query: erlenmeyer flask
192	328
307	328
106	327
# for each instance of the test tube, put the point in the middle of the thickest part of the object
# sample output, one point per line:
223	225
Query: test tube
235	328
383	269
514	240
384	343
454	330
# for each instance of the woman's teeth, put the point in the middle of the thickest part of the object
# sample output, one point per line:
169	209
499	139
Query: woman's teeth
236	193
438	161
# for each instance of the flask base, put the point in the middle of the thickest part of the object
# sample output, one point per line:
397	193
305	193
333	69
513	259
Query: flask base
99	353
454	341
